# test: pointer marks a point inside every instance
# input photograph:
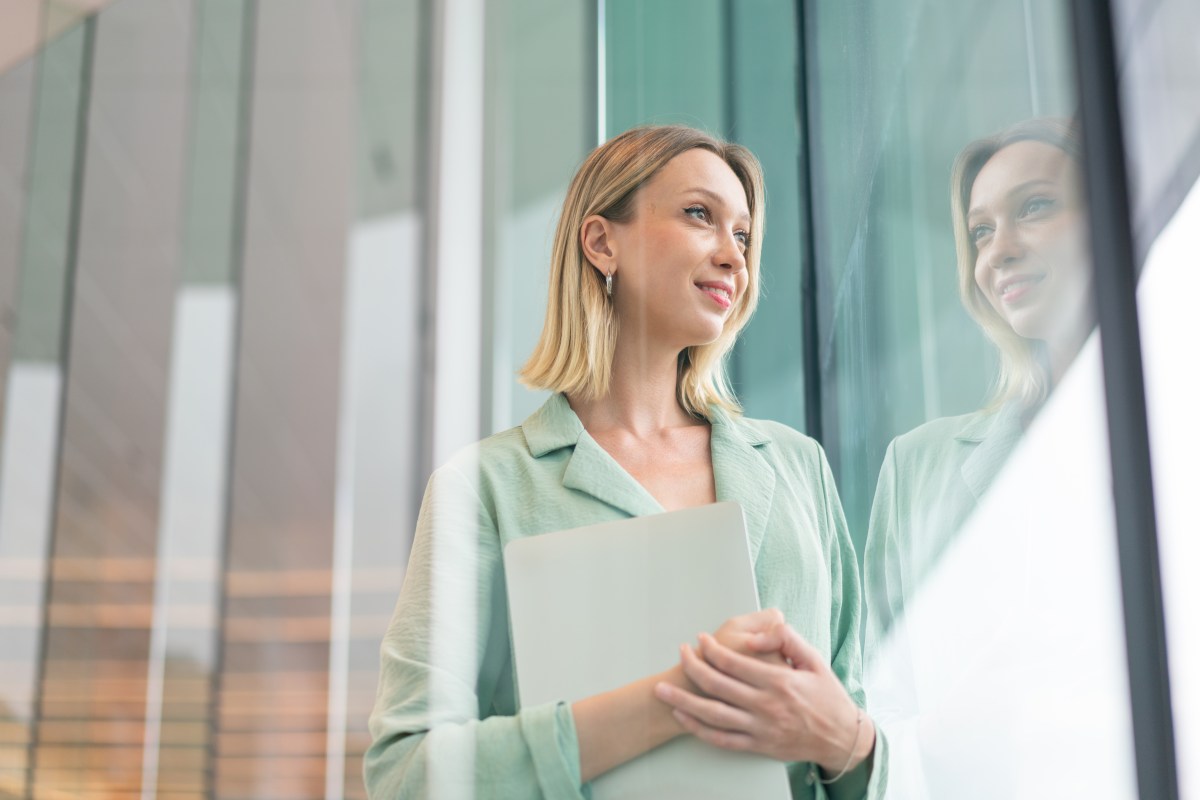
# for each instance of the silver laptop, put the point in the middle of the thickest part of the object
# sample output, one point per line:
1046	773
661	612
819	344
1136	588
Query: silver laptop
598	607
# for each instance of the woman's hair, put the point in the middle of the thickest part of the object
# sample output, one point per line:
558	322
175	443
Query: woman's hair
575	352
1022	376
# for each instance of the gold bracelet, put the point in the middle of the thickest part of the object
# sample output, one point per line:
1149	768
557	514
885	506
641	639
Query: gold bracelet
815	777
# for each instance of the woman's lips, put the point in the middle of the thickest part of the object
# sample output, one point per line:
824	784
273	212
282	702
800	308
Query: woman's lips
719	295
1012	290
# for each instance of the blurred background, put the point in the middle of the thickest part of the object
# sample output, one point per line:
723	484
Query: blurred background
264	264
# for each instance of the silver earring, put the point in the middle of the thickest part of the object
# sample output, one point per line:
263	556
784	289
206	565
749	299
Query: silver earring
608	284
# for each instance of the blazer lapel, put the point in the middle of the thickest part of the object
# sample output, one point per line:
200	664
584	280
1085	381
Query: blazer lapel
591	469
742	474
996	436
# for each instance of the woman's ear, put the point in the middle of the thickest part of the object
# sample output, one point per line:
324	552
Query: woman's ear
599	248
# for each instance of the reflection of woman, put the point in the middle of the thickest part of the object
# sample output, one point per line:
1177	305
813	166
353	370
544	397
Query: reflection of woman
1024	276
655	270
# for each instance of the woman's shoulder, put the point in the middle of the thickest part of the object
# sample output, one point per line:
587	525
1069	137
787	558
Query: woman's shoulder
945	433
498	450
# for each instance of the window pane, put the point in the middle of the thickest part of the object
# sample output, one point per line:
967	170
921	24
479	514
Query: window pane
747	93
962	394
1161	107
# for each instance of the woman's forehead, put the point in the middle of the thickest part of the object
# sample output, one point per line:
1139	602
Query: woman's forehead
700	170
1017	165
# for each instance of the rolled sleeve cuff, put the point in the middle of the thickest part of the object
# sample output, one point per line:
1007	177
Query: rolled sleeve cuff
549	730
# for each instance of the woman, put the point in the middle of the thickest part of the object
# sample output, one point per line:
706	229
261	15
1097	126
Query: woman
654	272
1024	276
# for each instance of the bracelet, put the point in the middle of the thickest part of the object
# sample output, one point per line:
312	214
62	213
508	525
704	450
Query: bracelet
815	777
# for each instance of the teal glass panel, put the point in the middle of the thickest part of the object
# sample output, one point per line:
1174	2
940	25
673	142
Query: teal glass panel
713	66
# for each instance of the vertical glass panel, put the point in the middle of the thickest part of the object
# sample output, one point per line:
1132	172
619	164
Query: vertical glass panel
128	193
540	123
192	513
274	681
160	162
744	89
962	394
892	326
379	424
39	218
1160	69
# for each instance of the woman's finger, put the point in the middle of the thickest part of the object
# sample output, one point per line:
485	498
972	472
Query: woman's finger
768	641
713	713
799	651
714	683
726	740
745	669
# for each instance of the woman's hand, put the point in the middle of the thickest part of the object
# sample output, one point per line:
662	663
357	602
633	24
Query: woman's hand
796	712
747	635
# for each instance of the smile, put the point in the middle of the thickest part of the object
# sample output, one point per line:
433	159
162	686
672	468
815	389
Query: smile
1013	289
720	293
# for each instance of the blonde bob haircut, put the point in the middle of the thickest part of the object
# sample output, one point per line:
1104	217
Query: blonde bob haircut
1023	377
575	352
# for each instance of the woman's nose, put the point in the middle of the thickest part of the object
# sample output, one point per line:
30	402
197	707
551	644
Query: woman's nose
731	255
1006	246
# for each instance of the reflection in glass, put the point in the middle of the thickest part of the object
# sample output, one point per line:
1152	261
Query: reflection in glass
1024	276
993	610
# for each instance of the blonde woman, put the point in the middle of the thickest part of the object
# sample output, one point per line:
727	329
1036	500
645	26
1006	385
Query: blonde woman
655	270
1025	277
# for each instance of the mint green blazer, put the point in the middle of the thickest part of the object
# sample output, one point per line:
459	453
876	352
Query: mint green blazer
447	721
931	480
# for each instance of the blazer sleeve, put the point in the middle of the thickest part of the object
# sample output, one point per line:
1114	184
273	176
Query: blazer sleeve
446	650
846	646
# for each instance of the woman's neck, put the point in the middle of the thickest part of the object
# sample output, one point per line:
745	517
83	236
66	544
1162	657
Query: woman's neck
642	395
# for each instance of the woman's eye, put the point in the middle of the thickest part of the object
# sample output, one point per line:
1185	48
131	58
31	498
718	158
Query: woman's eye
979	233
699	212
743	238
1036	205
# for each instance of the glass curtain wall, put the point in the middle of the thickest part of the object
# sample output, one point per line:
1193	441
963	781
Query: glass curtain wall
984	517
223	315
714	66
214	338
962	401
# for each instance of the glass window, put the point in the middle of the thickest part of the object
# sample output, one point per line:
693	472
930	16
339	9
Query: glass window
962	395
263	266
1160	83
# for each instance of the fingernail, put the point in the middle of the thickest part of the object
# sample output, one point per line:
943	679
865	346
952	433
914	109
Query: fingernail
661	691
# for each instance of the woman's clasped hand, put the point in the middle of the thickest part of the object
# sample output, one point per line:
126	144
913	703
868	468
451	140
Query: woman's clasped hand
763	688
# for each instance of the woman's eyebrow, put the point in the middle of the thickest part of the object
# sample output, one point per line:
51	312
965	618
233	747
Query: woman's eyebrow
717	200
1020	188
1027	185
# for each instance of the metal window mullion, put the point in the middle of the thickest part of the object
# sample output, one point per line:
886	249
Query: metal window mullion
237	280
87	64
810	325
1133	490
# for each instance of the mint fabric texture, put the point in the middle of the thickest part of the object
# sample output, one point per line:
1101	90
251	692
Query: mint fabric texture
931	480
447	721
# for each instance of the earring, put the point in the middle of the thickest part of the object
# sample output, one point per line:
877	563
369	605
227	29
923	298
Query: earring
608	284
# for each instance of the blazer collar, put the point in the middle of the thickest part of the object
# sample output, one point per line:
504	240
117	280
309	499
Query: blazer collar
995	435
741	473
590	469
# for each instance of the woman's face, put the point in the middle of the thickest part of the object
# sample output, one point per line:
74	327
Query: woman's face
1026	222
681	257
